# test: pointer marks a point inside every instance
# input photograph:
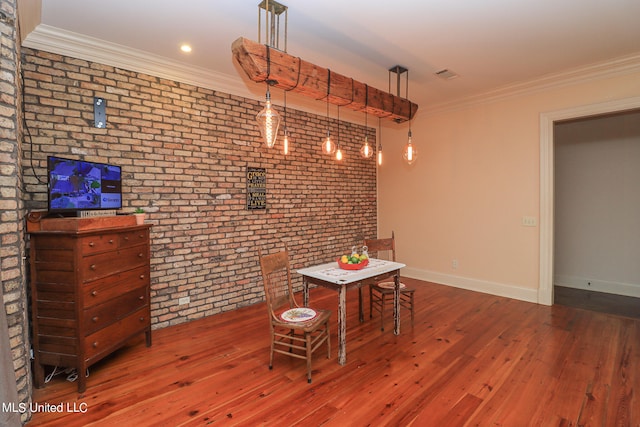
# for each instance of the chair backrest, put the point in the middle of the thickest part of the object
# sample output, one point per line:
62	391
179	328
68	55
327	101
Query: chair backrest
276	278
382	248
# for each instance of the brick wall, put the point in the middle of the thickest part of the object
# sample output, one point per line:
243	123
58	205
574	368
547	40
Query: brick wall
184	152
12	272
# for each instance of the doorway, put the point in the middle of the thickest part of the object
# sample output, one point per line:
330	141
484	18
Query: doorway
547	122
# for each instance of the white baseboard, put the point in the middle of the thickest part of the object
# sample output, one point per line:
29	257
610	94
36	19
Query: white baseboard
493	288
626	289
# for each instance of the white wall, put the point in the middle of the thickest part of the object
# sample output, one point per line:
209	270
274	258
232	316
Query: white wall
597	204
477	175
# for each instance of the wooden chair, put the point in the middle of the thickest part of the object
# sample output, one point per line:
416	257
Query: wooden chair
381	293
297	339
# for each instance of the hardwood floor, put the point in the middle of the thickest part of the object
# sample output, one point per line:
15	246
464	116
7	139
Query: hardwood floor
619	305
471	360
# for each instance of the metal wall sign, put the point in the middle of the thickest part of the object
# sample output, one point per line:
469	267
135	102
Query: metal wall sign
256	188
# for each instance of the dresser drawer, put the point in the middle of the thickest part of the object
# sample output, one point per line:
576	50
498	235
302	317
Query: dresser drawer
102	315
99	243
108	339
135	237
104	289
108	263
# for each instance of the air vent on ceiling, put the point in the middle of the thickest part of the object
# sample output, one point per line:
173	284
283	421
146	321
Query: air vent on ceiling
446	74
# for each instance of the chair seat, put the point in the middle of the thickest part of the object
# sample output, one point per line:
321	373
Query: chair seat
308	325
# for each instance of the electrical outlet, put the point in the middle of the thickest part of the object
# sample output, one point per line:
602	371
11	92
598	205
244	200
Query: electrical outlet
529	221
184	300
454	264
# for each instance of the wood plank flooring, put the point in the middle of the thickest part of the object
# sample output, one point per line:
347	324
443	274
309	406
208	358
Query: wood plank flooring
471	359
598	301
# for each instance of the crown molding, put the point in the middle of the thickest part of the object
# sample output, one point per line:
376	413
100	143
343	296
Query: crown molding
613	67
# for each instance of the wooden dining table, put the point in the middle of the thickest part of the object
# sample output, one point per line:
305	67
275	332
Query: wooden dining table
331	276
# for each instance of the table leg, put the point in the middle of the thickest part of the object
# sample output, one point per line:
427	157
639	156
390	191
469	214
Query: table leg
361	310
342	327
305	292
396	304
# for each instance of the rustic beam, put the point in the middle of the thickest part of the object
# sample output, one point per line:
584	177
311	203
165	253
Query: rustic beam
279	69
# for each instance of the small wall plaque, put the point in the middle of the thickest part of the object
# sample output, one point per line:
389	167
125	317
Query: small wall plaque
256	188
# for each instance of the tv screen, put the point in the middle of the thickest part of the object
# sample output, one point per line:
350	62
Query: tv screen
76	185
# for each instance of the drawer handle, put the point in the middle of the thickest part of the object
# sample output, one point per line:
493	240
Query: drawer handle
94	293
141	276
95	344
91	244
111	241
140	255
94	319
142	319
93	266
126	238
141	236
141	297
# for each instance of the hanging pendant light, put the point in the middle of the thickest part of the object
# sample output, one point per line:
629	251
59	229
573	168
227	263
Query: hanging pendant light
410	153
366	151
328	146
268	122
338	150
285	142
379	142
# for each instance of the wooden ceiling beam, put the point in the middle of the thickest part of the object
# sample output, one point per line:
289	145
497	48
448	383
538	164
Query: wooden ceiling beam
292	73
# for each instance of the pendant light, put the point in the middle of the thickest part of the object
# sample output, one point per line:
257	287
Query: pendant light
379	142
285	143
410	153
328	146
268	122
366	151
338	150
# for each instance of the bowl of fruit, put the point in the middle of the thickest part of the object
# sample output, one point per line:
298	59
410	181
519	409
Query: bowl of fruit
353	261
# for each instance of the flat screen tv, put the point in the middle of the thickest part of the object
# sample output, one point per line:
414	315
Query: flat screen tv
78	185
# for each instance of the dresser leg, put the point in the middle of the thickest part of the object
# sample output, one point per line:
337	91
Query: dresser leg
38	374
147	335
82	377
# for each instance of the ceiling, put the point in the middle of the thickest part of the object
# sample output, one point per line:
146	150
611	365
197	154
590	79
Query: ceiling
493	45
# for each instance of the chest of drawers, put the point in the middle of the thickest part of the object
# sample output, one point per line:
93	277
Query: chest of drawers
89	295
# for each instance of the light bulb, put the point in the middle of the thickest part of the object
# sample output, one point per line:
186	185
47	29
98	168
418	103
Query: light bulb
328	146
410	154
366	151
286	143
268	122
339	154
380	158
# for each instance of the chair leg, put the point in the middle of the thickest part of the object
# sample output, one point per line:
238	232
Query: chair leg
412	315
370	302
308	337
383	302
273	344
328	332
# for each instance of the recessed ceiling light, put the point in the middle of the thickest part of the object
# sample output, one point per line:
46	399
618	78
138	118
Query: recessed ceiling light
185	48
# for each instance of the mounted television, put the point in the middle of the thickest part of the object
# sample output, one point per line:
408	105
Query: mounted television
78	185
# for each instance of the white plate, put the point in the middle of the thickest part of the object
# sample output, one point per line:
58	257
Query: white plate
301	314
390	285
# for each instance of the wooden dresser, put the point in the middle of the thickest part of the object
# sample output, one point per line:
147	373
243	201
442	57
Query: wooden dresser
89	290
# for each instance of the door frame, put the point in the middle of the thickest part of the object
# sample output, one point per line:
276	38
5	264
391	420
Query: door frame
547	121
